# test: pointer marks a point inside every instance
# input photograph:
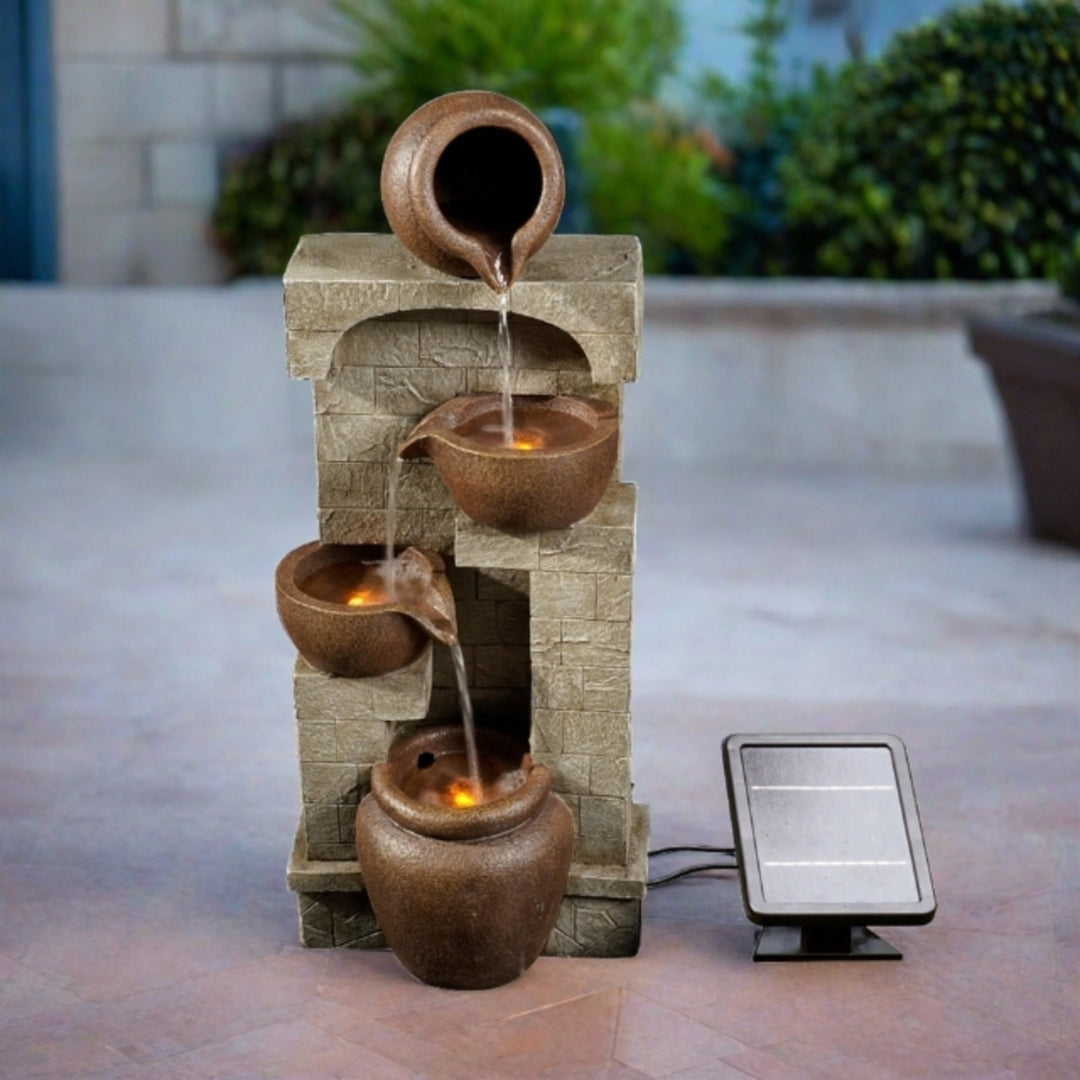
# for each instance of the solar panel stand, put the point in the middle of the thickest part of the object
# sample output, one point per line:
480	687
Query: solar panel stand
831	941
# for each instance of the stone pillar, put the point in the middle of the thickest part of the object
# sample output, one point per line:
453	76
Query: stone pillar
544	618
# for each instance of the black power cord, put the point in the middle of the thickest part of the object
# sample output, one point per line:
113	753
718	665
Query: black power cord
686	871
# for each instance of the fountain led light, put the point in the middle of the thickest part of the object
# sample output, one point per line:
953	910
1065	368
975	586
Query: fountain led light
363	597
528	440
461	795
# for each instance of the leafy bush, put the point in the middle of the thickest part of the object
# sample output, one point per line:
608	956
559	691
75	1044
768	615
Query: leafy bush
956	154
758	119
1069	271
320	176
588	55
648	176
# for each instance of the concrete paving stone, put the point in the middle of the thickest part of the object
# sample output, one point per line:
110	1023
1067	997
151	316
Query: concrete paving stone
462	347
359	438
587	549
595	643
110	28
243	98
561	595
354	485
350	391
617	506
321	824
414	392
595	733
481	546
309	353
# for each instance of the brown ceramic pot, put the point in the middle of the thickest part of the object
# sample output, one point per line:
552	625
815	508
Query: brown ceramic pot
466	898
361	641
473	184
516	490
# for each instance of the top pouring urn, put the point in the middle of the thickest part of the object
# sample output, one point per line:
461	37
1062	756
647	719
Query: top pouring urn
473	184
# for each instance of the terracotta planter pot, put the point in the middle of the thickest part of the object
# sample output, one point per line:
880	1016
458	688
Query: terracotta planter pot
1035	364
359	641
473	184
520	490
466	898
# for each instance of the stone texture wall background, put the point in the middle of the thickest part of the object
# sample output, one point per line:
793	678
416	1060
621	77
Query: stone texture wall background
151	97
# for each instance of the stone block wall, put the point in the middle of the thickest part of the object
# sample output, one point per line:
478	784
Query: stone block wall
151	98
545	617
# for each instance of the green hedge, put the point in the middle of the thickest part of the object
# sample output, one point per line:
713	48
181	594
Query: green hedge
957	154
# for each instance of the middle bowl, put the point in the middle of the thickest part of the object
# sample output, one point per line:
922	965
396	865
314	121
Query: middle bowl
552	474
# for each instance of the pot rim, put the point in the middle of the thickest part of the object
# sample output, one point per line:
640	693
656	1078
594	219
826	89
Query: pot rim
479	822
458	410
290	569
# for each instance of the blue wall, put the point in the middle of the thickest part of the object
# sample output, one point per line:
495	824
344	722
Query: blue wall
27	174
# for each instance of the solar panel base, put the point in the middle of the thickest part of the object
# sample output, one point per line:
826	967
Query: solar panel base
822	943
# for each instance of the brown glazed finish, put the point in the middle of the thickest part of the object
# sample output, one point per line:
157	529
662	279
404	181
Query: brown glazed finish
359	642
465	898
516	490
1035	363
470	178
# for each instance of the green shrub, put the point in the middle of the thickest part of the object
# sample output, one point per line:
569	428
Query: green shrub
649	177
321	176
1069	271
587	55
956	154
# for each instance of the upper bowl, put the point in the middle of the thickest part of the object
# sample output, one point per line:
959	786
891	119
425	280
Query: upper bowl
551	475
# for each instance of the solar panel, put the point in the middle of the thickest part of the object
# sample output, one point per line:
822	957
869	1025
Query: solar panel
828	837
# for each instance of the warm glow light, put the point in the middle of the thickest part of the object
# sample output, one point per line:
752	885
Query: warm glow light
362	597
461	795
527	440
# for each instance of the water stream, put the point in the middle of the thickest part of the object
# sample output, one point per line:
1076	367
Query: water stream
506	358
467	720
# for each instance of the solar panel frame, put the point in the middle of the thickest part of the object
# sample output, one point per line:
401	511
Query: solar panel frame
765	912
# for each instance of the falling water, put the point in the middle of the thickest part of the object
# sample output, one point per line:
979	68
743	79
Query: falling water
506	355
467	720
390	567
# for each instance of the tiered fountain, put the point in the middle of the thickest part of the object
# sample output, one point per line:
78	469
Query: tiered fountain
512	539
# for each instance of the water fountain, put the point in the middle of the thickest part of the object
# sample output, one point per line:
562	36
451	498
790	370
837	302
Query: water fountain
533	529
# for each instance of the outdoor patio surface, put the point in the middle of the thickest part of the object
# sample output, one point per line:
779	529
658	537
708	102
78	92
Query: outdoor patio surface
154	466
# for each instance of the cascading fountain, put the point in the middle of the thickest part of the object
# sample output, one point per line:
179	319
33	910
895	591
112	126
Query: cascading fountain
517	543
